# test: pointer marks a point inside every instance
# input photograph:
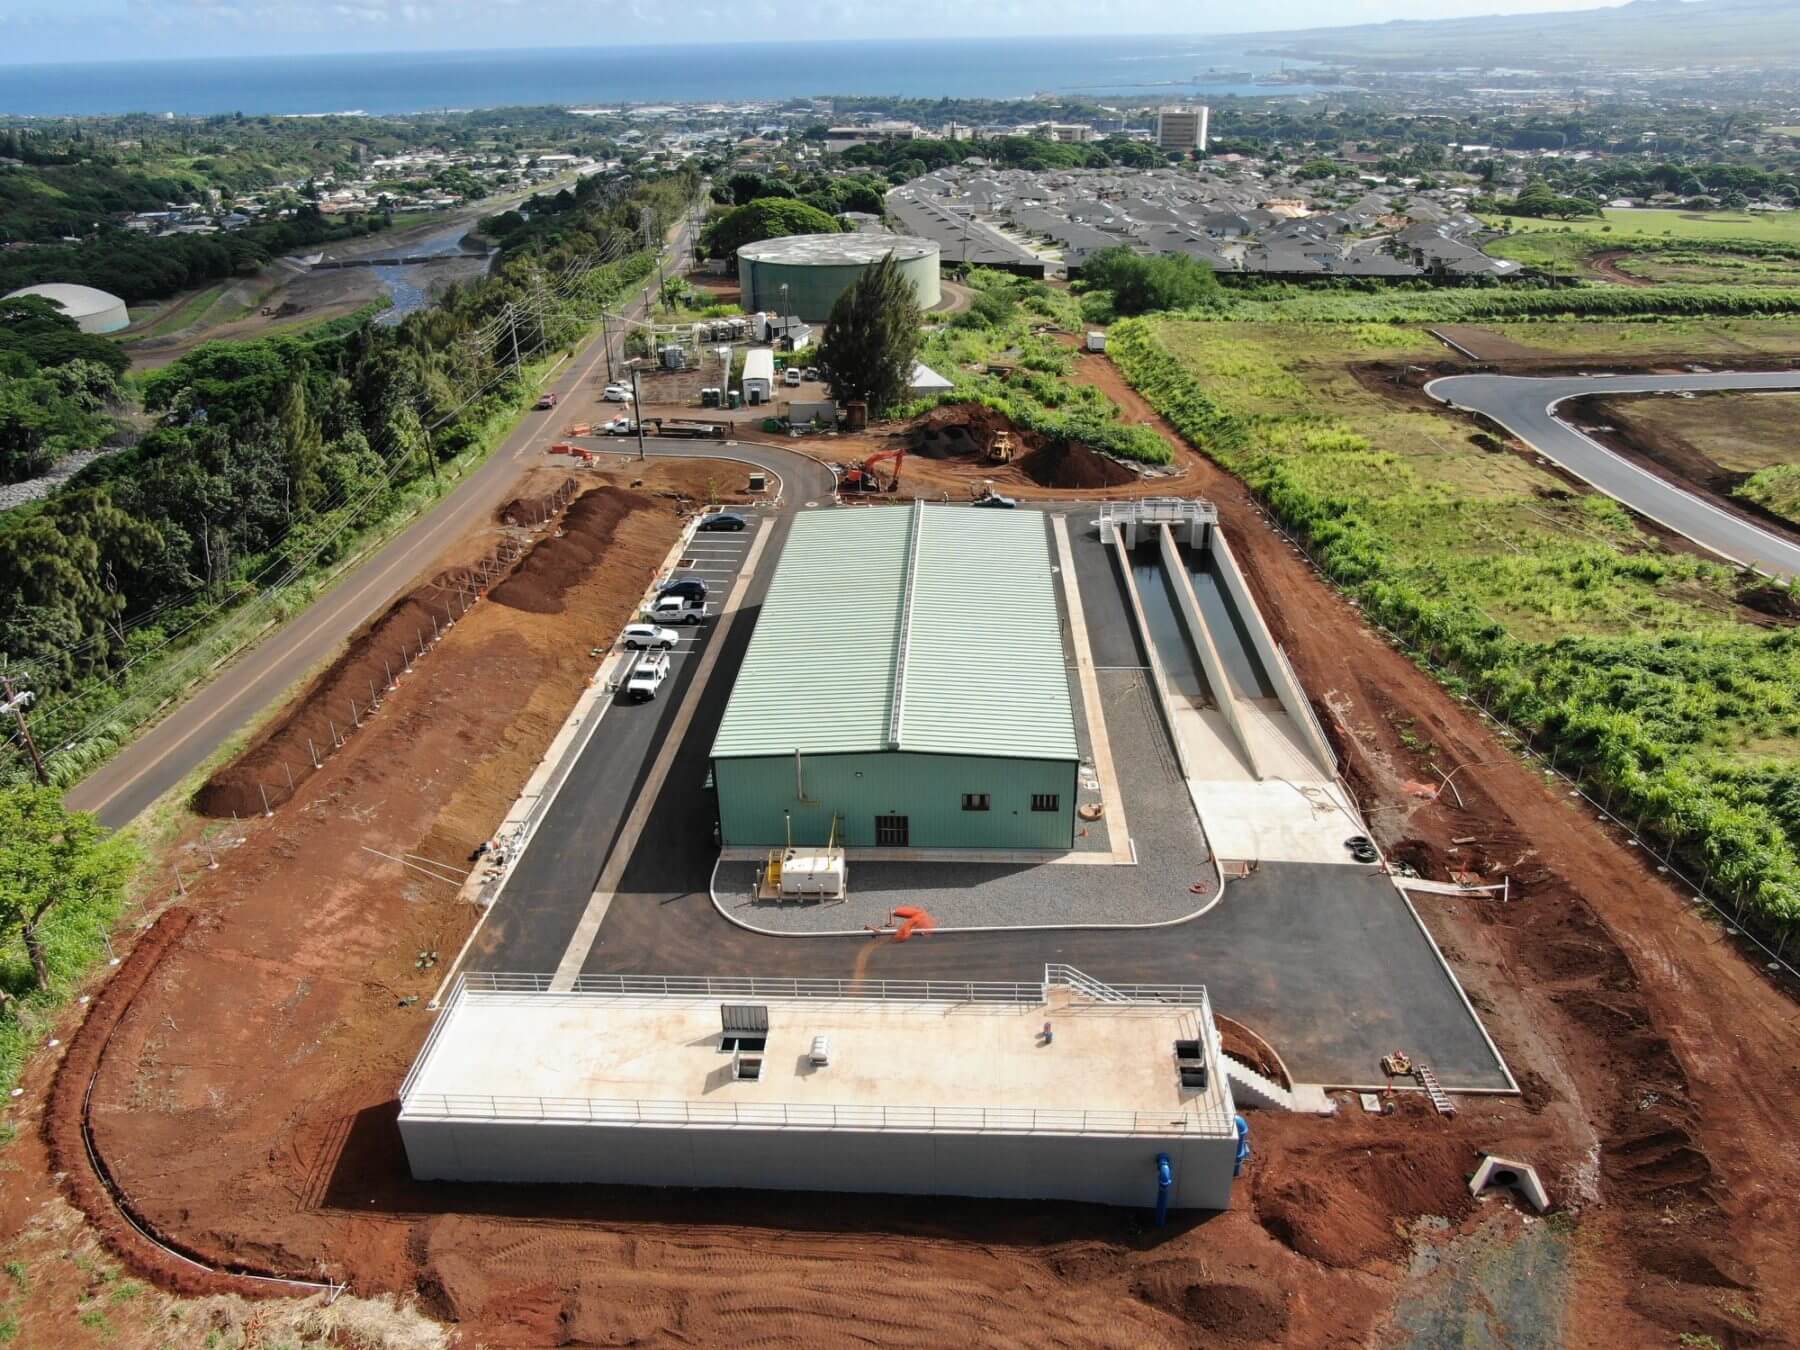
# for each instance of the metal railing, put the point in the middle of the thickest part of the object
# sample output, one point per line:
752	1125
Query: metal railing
760	986
1213	1120
1158	511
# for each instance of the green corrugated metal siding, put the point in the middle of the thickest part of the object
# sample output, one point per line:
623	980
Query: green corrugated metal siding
985	672
818	674
757	798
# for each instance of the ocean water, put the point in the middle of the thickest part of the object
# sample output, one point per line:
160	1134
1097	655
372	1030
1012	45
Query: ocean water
409	82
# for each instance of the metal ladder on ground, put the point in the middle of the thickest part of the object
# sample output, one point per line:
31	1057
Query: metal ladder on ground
1439	1098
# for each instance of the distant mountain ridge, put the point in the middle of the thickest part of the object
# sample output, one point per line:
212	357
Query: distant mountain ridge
1660	32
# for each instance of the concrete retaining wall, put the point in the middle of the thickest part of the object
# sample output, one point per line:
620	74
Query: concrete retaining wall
1287	688
1102	1169
1216	674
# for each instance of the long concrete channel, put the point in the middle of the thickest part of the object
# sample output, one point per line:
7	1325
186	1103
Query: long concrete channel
1526	406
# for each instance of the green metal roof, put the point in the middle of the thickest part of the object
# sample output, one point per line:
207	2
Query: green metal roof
931	629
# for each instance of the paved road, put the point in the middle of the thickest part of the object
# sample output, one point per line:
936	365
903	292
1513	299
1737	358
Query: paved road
1526	406
187	737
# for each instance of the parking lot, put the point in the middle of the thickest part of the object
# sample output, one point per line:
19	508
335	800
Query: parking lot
594	790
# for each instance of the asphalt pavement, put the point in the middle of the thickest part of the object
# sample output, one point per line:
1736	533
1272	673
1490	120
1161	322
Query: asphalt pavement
183	740
1526	406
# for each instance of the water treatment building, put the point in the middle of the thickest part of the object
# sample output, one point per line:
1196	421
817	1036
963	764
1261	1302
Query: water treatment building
906	687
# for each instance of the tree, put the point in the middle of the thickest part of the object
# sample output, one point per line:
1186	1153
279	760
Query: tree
52	858
764	218
1140	285
873	338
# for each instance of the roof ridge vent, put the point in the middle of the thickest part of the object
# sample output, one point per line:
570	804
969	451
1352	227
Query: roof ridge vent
897	707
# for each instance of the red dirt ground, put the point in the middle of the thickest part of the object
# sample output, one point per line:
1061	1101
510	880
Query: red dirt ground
1658	1067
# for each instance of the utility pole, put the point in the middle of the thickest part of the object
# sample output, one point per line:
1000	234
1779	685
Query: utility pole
16	704
512	322
637	412
606	341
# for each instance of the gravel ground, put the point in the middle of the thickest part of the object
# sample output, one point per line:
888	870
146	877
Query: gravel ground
1172	855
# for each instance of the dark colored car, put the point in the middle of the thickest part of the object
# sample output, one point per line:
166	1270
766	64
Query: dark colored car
725	520
692	587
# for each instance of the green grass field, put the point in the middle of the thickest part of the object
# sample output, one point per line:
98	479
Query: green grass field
1775	227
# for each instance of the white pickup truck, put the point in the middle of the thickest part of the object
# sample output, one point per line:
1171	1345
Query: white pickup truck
670	609
647	677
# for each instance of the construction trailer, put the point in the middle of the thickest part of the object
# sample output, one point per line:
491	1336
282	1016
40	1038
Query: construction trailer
758	381
1068	1089
907	687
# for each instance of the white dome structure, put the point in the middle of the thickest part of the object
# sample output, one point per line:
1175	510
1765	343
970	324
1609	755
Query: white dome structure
95	311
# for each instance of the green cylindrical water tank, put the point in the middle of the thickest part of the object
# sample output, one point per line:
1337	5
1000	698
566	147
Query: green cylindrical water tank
817	268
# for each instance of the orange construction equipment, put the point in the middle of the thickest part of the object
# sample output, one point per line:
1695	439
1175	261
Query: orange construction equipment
912	920
578	429
863	478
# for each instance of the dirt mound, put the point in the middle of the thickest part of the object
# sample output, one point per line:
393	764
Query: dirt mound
558	562
1238	1312
537	508
333	705
962	430
1070	464
1350	1207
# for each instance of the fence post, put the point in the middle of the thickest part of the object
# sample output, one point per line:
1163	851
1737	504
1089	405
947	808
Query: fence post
385	665
312	750
265	796
290	776
355	721
335	741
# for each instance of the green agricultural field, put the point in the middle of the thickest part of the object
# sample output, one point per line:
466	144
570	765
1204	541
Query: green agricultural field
1646	667
1666	247
1626	227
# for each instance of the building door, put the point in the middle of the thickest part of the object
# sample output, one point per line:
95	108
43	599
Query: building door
890	832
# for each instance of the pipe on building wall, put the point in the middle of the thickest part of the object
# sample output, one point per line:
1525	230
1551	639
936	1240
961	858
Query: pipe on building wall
1165	1186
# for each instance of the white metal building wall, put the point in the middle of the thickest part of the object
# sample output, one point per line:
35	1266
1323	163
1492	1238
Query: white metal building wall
1098	1168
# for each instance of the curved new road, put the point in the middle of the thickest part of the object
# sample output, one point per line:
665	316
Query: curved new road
1526	406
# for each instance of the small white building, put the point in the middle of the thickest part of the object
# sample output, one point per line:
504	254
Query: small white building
1066	1089
759	375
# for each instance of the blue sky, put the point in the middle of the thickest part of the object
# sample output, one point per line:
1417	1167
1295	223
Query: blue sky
88	30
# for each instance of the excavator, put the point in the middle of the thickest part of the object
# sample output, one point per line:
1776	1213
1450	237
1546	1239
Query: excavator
863	477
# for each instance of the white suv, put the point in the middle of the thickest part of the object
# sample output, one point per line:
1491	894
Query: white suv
640	635
617	393
647	677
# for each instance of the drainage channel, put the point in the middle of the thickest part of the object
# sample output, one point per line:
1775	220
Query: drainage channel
1156	593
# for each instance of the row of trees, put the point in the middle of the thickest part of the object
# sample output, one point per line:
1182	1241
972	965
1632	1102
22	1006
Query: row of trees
265	455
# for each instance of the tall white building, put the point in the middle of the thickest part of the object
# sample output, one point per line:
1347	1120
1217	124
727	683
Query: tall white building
1182	128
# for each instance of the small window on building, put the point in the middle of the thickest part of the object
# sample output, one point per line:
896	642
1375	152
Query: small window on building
1187	1049
1046	801
975	801
891	832
1193	1076
748	1068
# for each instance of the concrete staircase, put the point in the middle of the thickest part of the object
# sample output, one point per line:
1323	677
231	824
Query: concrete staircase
1250	1088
